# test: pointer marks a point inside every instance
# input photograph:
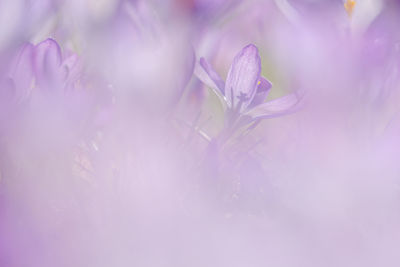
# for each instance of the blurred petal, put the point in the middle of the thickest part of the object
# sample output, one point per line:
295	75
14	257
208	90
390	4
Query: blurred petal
7	93
243	76
204	77
22	73
47	61
188	68
7	102
274	108
219	83
47	54
263	88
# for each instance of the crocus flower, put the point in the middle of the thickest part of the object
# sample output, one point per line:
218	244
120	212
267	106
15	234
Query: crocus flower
47	86
245	90
42	67
41	72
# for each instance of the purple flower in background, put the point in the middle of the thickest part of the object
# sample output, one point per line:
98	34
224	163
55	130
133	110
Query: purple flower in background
42	66
245	90
38	72
47	86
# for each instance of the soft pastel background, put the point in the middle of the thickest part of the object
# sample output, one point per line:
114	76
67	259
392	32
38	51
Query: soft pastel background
118	149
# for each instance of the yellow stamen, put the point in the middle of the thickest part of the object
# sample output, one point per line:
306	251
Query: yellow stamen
349	6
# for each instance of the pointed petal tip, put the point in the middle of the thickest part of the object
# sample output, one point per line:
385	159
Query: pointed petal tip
251	49
49	43
252	46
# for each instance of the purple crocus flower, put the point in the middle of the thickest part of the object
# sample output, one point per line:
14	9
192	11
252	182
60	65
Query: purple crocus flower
245	90
42	67
46	85
38	72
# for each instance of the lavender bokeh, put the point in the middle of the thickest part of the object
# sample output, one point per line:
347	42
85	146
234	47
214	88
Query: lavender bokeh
199	133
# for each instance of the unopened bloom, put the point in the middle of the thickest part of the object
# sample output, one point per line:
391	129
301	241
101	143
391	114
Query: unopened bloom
42	67
245	90
47	86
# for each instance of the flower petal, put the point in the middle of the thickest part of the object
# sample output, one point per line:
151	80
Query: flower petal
22	71
275	108
7	101
263	88
242	79
47	55
47	62
219	83
204	77
7	92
